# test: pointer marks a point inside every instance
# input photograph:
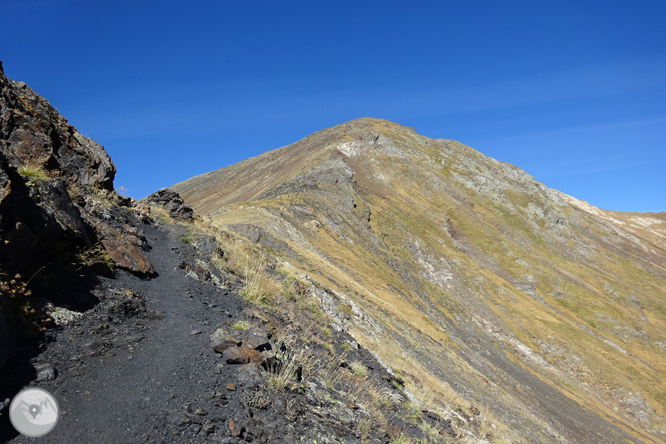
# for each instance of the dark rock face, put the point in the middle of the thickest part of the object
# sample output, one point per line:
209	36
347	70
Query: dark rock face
42	159
173	203
56	197
32	131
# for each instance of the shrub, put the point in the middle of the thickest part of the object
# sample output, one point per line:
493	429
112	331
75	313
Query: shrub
411	412
286	368
33	170
240	325
359	369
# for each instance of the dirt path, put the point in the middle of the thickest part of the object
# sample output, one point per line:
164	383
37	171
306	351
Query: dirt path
128	382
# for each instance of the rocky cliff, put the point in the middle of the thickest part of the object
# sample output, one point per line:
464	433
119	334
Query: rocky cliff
59	214
479	282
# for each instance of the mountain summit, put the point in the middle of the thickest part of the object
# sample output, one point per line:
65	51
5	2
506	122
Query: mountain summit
476	282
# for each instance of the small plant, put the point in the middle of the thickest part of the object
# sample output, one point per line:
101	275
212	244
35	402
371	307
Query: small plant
286	369
328	347
293	289
326	331
346	346
364	426
33	170
359	369
186	238
310	307
411	412
257	399
390	398
19	307
95	258
330	375
430	431
240	325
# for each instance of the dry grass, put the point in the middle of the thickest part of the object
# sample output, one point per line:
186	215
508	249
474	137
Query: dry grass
401	439
247	263
33	170
359	369
96	258
161	214
330	374
240	325
260	287
287	367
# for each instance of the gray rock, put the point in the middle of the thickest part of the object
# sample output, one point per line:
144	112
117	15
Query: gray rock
220	340
256	339
45	371
249	373
207	245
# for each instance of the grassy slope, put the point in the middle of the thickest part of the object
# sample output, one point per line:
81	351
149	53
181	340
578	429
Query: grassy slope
477	286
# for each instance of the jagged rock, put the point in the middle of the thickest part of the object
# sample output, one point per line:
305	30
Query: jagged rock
200	272
124	250
56	194
220	340
173	203
235	429
208	245
256	339
241	355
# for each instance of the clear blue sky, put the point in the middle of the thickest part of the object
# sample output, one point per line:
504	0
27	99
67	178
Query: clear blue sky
573	92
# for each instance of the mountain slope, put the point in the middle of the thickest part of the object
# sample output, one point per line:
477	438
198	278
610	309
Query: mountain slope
169	352
478	283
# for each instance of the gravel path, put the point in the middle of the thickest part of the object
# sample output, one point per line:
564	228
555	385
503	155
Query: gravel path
125	379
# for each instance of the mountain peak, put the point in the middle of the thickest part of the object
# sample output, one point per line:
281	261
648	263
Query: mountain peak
467	263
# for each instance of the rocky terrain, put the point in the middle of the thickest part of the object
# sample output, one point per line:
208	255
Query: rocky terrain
478	281
149	324
363	285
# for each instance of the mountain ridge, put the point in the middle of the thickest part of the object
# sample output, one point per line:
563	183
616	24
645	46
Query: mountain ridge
457	247
365	284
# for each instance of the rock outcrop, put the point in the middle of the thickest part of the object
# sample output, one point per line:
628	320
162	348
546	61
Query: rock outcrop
173	203
57	201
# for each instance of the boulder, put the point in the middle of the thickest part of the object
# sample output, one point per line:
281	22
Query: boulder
256	339
241	355
208	245
172	202
220	341
124	250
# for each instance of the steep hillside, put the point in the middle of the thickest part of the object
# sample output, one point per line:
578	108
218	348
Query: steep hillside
477	283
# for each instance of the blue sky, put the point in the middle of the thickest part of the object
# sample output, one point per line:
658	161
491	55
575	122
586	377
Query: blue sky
573	92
